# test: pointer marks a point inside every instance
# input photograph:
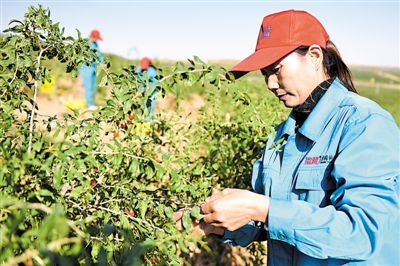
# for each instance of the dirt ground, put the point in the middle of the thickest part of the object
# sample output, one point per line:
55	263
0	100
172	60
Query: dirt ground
50	103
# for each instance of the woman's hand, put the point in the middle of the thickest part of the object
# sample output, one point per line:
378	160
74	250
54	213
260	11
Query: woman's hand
234	208
200	228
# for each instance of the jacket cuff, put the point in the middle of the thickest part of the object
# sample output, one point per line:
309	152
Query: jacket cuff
280	220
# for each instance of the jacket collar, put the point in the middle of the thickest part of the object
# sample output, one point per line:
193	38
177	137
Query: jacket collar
320	115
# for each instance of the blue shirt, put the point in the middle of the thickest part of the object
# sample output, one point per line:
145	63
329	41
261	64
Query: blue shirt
150	71
333	186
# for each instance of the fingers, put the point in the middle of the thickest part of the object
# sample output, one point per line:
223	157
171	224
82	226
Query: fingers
178	215
215	195
211	217
207	209
210	206
207	206
198	226
215	191
221	208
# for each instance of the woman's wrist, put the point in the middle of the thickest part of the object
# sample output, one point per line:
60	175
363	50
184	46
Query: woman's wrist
217	231
260	212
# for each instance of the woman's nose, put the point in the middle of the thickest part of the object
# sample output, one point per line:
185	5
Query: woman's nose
272	82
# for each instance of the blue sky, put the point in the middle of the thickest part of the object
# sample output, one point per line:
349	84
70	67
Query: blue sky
366	32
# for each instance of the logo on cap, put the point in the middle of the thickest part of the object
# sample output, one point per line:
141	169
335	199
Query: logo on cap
264	32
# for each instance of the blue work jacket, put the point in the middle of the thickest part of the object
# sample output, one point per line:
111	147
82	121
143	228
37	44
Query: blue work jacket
333	186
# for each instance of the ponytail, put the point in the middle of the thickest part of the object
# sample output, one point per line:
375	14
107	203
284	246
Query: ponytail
334	65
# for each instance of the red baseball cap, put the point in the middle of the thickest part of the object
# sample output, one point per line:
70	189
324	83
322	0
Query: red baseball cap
96	35
280	34
145	63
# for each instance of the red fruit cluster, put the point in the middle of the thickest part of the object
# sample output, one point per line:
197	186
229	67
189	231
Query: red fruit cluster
29	263
130	212
153	260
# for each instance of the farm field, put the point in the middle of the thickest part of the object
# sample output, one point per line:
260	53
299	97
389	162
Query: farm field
381	84
100	188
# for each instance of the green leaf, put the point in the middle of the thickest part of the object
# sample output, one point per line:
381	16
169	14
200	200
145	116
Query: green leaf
15	21
98	70
124	221
76	192
103	81
169	212
45	192
57	176
102	258
89	219
142	205
198	60
176	186
187	220
134	166
109	229
95	249
56	133
74	73
149	171
79	34
270	120
183	246
196	213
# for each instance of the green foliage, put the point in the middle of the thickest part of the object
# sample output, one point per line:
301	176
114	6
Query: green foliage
100	188
380	84
376	74
389	99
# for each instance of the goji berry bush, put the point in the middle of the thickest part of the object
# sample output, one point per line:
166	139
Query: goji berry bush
100	187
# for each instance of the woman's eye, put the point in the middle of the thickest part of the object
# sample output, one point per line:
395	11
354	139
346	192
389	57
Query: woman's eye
276	70
270	71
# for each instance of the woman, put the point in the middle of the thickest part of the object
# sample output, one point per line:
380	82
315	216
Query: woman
145	65
329	193
88	73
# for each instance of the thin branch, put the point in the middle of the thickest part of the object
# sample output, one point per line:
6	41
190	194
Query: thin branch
35	88
130	217
34	102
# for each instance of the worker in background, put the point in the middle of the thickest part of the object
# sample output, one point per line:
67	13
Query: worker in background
145	65
88	73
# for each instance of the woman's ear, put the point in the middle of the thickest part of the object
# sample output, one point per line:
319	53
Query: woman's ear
316	55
